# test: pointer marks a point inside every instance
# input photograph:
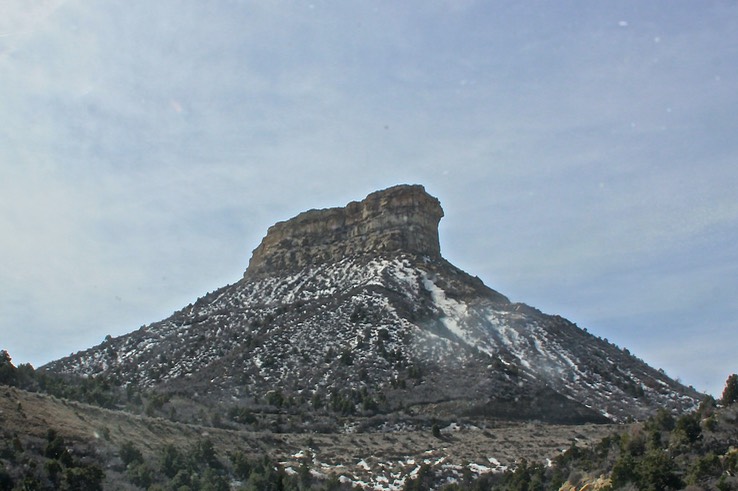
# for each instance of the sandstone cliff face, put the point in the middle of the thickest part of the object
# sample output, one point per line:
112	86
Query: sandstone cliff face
399	219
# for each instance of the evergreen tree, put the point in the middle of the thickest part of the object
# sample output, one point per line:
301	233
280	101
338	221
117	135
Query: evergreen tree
436	430
130	454
657	472
688	428
171	461
730	393
8	374
83	478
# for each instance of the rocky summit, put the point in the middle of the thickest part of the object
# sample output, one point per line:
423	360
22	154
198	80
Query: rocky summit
352	314
402	219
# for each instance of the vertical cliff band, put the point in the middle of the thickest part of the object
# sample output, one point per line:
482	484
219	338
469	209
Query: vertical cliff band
398	219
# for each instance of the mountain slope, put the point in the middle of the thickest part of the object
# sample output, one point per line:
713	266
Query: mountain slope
96	436
354	311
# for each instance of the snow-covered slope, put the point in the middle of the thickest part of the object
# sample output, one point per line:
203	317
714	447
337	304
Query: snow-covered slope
353	311
362	336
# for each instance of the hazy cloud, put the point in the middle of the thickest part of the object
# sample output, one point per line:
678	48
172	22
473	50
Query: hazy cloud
584	155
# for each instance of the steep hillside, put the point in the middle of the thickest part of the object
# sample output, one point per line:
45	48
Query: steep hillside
353	311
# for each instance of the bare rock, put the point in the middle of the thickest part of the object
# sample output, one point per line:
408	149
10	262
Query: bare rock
399	219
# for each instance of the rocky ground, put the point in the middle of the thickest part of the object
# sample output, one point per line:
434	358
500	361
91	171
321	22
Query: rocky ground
379	460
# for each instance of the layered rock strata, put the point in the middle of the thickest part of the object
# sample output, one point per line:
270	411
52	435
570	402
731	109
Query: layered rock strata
399	219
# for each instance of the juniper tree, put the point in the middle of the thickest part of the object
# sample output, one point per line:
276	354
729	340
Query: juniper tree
8	373
730	393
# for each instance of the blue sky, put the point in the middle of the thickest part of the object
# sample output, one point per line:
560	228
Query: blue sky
584	152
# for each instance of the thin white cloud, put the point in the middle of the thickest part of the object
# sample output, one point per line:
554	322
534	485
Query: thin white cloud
147	147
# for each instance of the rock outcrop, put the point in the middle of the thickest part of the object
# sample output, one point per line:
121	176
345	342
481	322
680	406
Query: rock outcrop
399	219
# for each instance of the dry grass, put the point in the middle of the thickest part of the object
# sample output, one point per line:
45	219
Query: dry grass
30	415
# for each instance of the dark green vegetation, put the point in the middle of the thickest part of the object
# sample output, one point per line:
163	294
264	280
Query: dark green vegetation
98	390
51	462
114	439
695	450
50	465
200	467
730	393
47	464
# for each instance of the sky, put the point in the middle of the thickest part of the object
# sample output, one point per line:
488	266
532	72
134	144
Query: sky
585	154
